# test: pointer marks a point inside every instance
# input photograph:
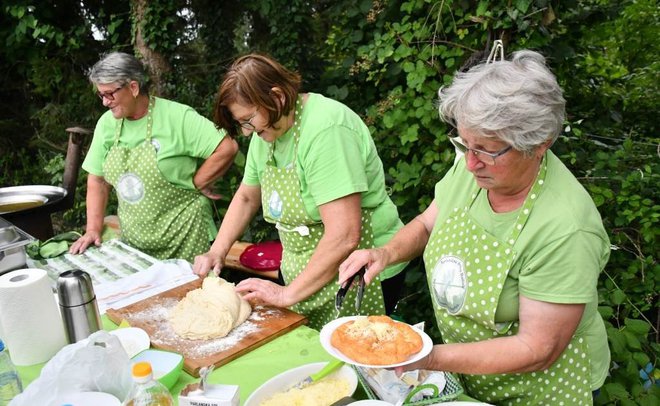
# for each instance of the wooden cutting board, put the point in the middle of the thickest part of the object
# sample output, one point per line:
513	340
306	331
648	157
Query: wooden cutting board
264	324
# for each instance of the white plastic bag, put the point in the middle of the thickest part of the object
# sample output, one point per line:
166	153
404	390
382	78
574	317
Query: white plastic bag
98	363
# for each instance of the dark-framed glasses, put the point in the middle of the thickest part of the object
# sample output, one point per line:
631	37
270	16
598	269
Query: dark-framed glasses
110	95
247	124
484	156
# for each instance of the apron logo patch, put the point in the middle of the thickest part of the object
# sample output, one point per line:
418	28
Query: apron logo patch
275	205
449	283
130	188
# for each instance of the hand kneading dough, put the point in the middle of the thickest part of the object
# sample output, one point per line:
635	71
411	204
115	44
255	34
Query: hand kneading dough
209	312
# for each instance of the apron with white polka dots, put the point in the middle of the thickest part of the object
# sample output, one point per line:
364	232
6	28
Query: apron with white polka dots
466	269
300	234
156	217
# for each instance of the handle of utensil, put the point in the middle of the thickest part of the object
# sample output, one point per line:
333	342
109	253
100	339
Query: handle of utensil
329	368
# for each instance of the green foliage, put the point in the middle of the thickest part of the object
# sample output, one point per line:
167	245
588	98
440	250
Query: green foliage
611	145
386	59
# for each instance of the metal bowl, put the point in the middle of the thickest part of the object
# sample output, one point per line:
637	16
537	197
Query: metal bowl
20	198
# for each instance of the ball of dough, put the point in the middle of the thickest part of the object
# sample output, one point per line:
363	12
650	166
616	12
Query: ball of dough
211	311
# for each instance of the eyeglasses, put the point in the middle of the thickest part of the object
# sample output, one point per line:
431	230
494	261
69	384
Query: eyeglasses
486	157
247	124
109	95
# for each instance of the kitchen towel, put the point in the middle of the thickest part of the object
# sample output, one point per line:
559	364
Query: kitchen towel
31	322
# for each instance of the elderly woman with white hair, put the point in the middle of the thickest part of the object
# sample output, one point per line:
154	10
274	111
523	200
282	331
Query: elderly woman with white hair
512	245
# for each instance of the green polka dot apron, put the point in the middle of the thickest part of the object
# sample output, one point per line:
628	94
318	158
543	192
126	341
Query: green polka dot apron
466	269
300	234
156	217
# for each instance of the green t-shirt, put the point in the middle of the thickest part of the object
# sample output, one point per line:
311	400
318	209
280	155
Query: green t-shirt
562	249
336	157
183	138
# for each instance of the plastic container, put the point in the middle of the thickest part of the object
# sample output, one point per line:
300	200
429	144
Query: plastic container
10	382
147	391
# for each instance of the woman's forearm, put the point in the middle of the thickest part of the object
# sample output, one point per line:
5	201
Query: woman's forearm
408	243
545	331
98	191
342	227
216	164
242	208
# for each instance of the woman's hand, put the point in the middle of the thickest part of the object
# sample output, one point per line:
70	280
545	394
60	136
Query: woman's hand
255	289
97	198
207	262
374	261
81	244
208	192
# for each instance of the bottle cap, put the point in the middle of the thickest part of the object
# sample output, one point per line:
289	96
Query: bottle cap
141	369
2	345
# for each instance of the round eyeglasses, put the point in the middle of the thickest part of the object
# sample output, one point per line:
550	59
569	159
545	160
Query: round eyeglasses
484	156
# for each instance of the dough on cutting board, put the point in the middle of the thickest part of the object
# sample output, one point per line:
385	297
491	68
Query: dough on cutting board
211	311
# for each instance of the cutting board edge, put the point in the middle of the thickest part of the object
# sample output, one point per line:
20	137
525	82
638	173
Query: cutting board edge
194	369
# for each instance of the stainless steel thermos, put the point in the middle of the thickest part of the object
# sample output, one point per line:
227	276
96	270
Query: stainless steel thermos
78	305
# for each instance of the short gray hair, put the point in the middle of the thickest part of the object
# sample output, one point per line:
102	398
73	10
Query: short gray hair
120	68
517	101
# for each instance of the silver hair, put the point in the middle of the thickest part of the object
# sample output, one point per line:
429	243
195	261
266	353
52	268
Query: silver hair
517	101
120	68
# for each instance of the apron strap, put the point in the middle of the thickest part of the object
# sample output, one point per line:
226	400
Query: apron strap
526	208
120	123
296	133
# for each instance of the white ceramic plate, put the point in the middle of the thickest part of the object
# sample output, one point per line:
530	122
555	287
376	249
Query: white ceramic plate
288	378
326	333
133	339
88	398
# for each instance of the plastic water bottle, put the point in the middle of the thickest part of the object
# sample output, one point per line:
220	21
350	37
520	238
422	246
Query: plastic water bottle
147	391
10	382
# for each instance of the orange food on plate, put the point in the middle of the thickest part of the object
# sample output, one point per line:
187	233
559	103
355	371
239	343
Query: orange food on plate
376	340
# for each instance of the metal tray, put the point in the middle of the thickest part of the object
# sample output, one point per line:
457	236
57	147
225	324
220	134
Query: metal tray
12	237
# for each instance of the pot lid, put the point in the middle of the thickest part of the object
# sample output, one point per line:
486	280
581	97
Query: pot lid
38	194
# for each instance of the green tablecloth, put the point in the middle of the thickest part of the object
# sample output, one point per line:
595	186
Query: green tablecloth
295	348
298	347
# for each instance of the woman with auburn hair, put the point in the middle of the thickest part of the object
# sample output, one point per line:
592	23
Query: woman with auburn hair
313	168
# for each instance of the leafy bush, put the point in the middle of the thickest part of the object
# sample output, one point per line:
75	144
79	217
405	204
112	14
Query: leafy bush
386	59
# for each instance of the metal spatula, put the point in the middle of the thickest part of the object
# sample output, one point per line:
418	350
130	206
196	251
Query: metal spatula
329	368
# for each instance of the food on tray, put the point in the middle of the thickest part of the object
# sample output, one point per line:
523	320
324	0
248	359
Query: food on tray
376	340
211	311
320	393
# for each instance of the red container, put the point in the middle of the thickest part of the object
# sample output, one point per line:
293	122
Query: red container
263	256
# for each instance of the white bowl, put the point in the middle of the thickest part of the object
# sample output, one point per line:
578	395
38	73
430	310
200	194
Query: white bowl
88	398
288	378
133	339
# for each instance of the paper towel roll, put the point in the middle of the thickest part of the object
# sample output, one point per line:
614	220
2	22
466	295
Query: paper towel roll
30	318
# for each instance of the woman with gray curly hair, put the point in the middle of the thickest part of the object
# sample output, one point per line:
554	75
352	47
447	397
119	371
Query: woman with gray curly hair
512	245
162	158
